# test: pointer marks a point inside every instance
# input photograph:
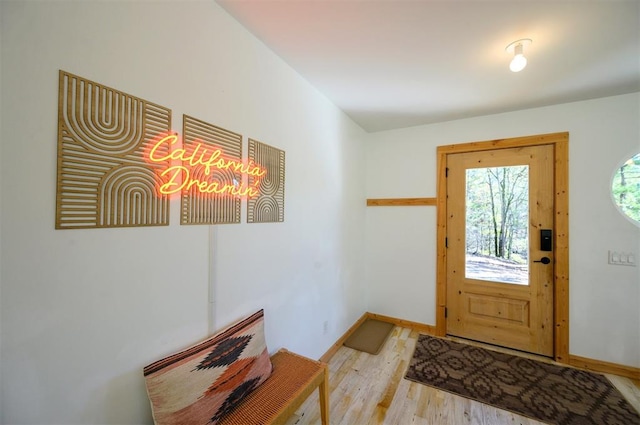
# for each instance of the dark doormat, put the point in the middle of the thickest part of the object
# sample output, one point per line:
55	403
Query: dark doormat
370	336
546	392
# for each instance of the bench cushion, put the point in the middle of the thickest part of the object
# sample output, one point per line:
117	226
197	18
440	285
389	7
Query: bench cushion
200	384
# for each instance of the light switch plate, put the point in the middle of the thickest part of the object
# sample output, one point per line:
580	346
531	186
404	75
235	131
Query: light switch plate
622	258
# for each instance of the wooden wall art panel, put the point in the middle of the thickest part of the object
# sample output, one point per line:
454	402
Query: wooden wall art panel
268	205
103	179
211	208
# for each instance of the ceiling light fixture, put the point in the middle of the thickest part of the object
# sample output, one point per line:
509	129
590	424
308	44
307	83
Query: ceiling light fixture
517	50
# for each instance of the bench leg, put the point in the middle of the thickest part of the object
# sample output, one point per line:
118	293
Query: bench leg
324	397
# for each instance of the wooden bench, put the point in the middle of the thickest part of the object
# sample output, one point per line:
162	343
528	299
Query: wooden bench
293	379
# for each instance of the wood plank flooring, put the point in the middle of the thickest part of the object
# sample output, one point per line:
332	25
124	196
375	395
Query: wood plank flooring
371	390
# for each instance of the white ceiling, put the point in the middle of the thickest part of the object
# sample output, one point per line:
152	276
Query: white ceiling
399	63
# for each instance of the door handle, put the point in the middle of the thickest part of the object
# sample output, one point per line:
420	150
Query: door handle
543	260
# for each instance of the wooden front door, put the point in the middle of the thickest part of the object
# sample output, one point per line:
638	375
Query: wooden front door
500	263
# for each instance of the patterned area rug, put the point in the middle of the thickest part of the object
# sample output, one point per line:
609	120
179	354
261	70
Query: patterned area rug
545	392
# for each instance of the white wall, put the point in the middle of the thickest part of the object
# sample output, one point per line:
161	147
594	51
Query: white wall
84	310
1	209
400	241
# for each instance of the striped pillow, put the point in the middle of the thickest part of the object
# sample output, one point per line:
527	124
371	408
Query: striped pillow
202	383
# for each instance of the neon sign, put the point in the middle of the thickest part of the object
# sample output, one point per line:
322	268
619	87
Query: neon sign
198	160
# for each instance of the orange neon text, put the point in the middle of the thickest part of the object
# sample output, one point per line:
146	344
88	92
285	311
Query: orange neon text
185	178
186	182
200	155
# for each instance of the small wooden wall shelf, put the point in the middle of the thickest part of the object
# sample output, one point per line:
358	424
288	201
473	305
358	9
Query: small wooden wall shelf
400	202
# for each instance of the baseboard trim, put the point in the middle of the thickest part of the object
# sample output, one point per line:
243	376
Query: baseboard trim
420	327
416	326
604	367
336	346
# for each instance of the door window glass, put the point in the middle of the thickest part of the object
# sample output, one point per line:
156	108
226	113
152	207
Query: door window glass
497	223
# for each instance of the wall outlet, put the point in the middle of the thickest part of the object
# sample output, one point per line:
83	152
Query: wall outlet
325	327
622	258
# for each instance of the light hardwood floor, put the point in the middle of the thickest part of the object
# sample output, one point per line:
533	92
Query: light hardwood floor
371	389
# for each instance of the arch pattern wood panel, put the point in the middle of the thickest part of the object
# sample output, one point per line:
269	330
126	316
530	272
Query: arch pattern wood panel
102	177
268	206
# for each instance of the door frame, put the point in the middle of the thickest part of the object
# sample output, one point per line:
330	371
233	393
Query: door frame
560	143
